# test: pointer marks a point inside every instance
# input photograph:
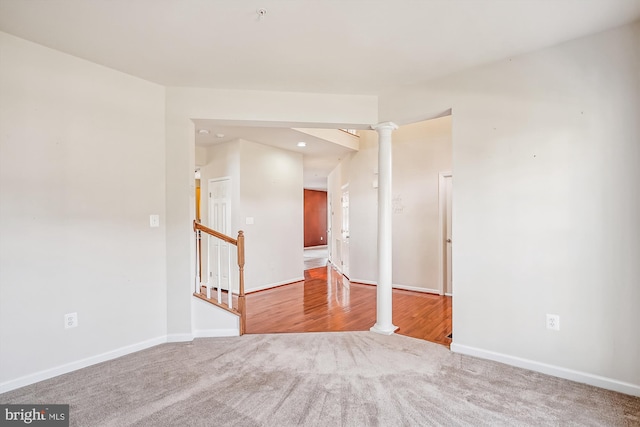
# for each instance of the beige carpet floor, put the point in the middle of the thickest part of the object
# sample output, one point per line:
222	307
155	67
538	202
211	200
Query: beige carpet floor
321	379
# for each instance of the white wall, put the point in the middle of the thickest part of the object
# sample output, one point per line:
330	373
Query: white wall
546	148
201	155
81	169
420	151
363	210
271	193
211	321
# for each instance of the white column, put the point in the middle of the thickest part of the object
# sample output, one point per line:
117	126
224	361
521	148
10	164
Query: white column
384	291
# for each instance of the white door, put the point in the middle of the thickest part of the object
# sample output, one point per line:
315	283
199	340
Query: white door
448	242
445	204
329	227
219	220
344	251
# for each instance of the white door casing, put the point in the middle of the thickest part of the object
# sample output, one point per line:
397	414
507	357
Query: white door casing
329	227
345	231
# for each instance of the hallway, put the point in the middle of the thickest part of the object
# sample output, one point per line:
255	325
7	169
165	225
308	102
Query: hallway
326	301
315	257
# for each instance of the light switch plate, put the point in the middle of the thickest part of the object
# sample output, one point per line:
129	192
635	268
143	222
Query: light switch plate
154	220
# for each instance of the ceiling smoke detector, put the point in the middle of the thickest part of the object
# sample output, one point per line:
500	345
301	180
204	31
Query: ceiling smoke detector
261	12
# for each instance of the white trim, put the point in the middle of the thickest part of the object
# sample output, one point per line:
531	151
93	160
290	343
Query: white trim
220	178
273	285
179	337
216	333
364	282
556	371
382	331
396	286
335	266
442	203
79	364
316	247
416	289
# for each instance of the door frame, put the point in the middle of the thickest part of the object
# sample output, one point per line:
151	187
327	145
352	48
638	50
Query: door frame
442	207
345	234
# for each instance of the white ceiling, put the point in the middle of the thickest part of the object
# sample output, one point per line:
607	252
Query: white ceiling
318	46
319	156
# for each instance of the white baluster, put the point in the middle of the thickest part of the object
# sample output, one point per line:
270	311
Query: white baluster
208	266
219	277
229	296
198	261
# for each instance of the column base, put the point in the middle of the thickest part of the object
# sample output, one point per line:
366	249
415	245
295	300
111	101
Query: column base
383	329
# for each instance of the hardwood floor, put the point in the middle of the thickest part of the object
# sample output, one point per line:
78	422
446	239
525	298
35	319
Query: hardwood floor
326	301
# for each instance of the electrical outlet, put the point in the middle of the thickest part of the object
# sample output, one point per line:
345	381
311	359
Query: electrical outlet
553	322
70	320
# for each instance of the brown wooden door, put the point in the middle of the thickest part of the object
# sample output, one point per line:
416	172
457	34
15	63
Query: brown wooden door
315	218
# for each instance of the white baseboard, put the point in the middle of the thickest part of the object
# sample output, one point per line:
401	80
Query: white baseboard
79	364
364	282
317	247
113	354
416	289
336	267
396	286
273	285
556	371
179	338
215	333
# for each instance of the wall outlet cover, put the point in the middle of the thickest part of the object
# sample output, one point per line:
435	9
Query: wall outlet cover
553	322
70	320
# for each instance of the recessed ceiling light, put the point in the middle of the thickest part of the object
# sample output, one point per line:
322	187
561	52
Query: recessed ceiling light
204	131
219	135
302	144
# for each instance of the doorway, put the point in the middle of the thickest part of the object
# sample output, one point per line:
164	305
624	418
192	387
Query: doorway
446	241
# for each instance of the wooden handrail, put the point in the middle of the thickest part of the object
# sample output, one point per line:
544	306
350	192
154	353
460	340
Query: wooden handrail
239	243
197	226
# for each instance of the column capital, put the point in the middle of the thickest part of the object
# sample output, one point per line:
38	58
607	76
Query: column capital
384	125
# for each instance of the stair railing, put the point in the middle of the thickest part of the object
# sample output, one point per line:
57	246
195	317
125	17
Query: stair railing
216	237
